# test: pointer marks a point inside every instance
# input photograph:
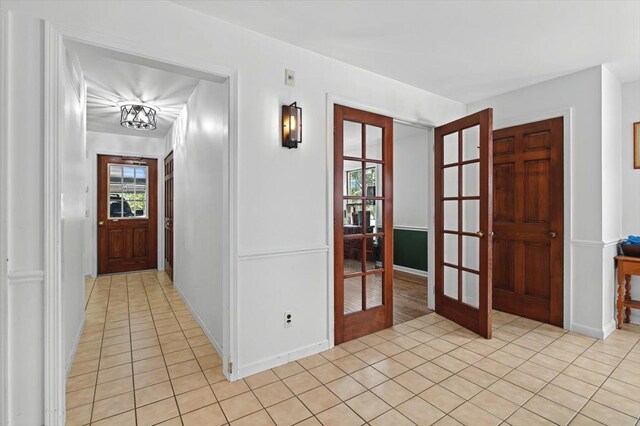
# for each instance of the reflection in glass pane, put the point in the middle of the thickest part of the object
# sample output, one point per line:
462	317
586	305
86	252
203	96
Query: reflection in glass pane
352	256
450	148
375	295
352	216
471	143
353	178
115	173
450	213
352	295
450	254
450	177
374	142
470	288
471	215
375	253
451	282
115	206
352	139
128	174
471	180
374	216
471	253
141	176
374	181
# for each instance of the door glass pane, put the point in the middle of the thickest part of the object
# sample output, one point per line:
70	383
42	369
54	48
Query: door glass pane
374	216
471	180
450	213
470	289
450	177
471	143
375	253
471	216
127	191
451	282
352	255
373	142
450	148
352	143
353	178
471	252
374	290
374	180
352	295
450	254
352	216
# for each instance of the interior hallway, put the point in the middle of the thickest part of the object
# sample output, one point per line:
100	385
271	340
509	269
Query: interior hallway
143	358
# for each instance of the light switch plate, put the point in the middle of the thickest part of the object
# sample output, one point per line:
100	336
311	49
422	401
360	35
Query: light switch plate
289	77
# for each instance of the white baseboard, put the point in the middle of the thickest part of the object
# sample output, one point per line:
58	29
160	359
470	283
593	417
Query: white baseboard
598	333
282	359
216	344
76	342
410	270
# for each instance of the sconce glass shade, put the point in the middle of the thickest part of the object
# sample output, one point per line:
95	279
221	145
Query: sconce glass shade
140	117
291	125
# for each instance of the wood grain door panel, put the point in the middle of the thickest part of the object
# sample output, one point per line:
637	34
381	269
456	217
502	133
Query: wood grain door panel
168	215
128	243
528	220
363	223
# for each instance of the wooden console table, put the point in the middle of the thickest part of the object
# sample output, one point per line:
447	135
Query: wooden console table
627	266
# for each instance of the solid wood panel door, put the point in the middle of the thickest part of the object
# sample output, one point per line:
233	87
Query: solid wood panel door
127	214
363	223
463	225
528	220
168	214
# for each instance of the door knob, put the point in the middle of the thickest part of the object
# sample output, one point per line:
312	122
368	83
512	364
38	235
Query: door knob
101	223
479	234
552	234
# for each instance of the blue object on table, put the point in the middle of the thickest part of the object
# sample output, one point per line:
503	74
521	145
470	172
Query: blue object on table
633	240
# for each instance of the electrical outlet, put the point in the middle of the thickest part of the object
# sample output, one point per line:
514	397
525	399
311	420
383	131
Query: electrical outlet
289	77
288	319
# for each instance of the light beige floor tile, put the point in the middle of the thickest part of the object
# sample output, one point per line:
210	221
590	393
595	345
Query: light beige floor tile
240	406
550	410
80	397
287	370
340	415
477	376
413	381
301	382
194	399
368	406
391	417
189	382
469	413
113	388
81	382
112	406
461	387
582	420
442	398
210	415
409	359
510	392
319	399
392	393
390	367
288	412
350	364
346	388
261	379
420	411
606	415
183	368
224	390
273	393
150	378
260	418
562	396
79	416
326	373
618	402
312	361
524	417
124	419
370	356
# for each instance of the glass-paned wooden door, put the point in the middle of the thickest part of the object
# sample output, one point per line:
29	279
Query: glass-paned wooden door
463	221
363	232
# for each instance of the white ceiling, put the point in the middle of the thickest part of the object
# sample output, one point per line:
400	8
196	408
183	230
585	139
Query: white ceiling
466	50
111	80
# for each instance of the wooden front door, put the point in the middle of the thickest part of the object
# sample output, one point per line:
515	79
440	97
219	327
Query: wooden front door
168	214
127	214
363	231
528	220
463	225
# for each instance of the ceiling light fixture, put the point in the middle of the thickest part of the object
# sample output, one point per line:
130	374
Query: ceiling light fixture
137	116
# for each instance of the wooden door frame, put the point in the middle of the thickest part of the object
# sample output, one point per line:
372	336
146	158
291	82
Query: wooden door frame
55	36
153	214
162	208
397	117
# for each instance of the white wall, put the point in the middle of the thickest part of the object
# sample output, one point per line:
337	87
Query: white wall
583	93
73	186
198	139
283	255
411	176
630	178
117	144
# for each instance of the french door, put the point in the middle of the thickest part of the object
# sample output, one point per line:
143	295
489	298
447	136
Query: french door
168	215
463	221
363	222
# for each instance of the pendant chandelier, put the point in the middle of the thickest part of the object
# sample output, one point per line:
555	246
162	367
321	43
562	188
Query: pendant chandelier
137	116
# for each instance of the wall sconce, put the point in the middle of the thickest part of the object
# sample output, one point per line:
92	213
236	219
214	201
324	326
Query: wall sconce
291	125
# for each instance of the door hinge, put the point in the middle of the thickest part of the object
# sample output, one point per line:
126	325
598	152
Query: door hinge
230	367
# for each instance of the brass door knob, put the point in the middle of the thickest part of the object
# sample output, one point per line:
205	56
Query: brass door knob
552	234
101	223
479	234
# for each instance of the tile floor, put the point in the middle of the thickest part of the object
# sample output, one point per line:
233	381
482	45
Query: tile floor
143	360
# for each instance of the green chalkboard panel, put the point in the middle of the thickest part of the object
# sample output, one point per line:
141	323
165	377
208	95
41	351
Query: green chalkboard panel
410	248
